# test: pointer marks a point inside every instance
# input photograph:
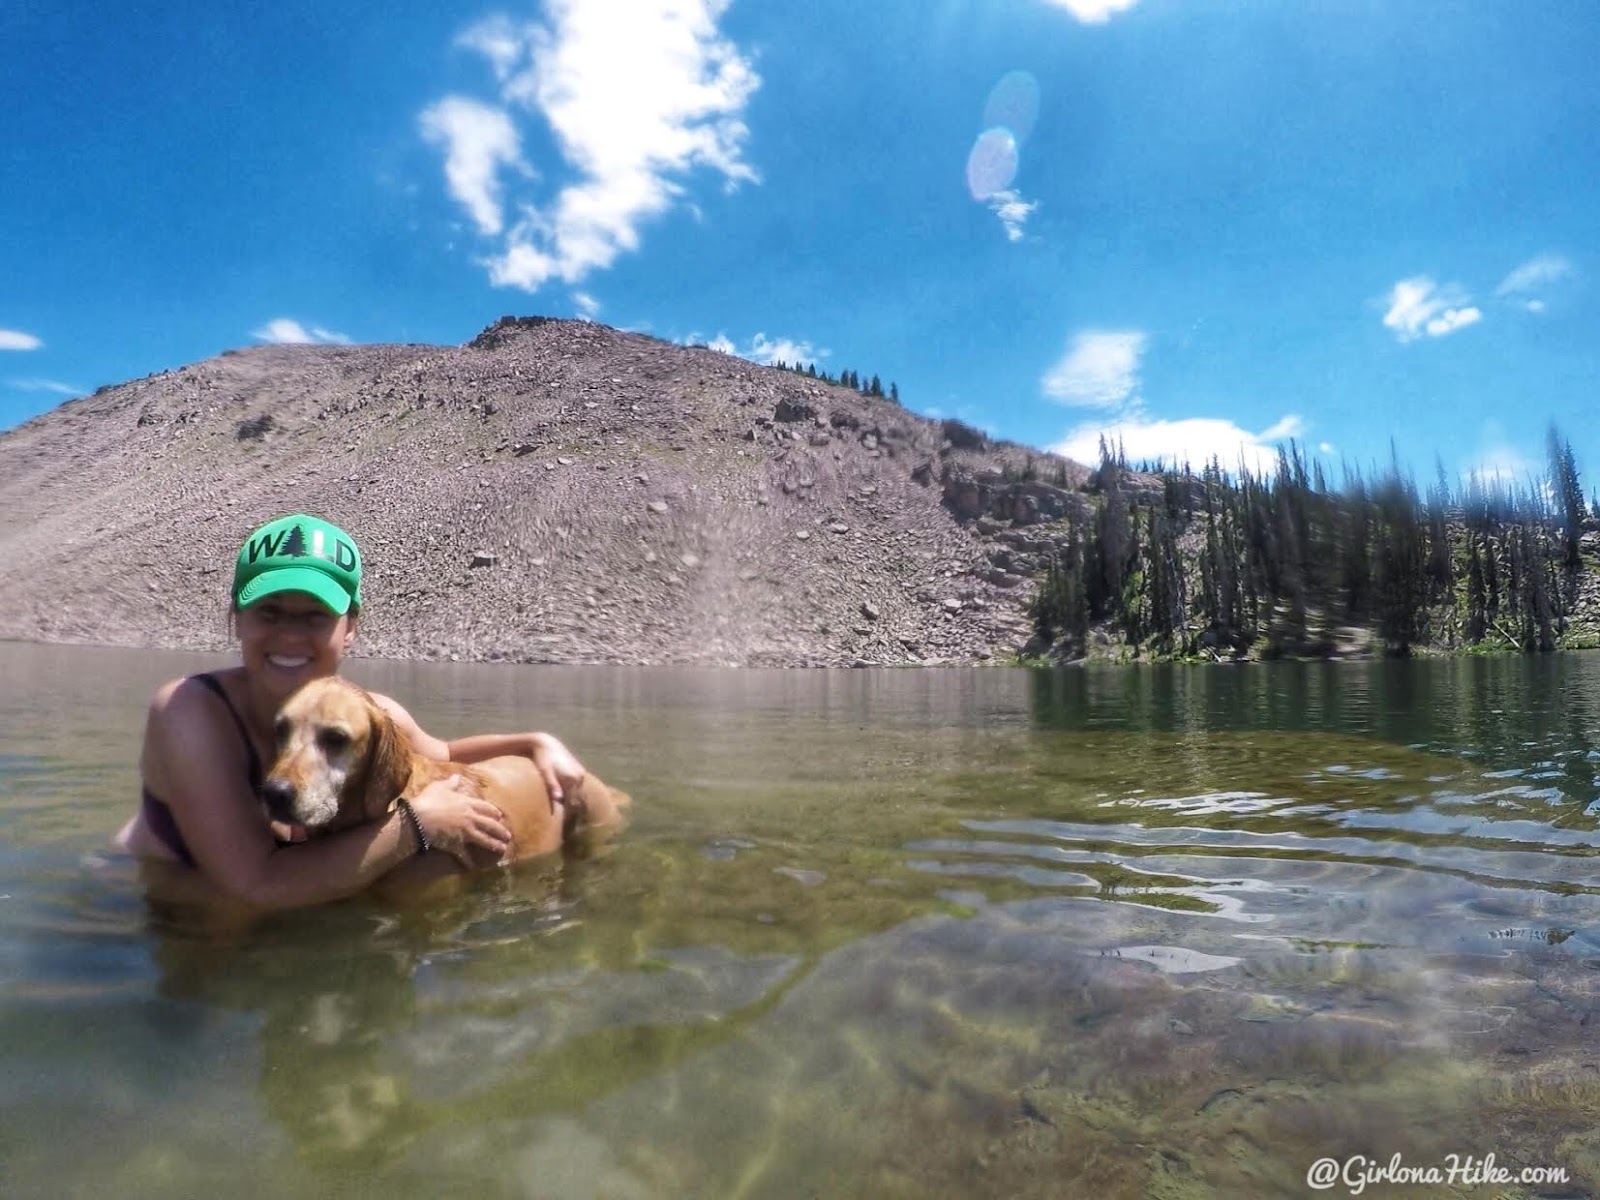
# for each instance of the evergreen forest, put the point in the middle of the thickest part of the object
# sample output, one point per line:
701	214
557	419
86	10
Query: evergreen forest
1173	564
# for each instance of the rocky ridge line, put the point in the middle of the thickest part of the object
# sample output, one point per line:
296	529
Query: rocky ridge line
553	491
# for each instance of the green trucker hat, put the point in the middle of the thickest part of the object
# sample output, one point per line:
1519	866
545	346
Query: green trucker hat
299	554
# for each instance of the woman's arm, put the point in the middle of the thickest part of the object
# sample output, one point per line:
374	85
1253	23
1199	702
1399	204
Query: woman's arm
196	767
563	773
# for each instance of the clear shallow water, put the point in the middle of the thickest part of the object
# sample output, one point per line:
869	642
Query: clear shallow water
1173	932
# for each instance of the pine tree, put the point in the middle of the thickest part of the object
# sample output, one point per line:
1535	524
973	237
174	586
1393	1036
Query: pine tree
1477	594
1059	609
1459	566
1568	493
1167	605
1108	562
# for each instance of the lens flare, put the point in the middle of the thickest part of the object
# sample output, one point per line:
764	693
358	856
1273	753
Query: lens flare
992	164
1013	104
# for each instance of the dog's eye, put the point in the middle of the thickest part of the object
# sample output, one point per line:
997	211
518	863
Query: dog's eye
333	740
280	730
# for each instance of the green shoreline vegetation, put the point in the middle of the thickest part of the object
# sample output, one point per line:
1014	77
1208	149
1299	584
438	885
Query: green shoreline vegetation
1174	566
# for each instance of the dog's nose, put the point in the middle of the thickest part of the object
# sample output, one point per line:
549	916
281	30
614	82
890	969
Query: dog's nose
278	794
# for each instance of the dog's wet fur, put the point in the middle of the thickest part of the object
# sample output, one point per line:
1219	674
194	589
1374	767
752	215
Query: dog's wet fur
341	761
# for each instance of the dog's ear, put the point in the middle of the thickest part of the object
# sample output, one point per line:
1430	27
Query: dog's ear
388	763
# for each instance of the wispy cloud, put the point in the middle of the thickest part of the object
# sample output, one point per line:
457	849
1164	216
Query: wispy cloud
636	94
1100	369
768	350
1536	275
13	339
285	331
586	305
1013	212
1194	441
54	386
1419	307
1093	12
499	40
478	141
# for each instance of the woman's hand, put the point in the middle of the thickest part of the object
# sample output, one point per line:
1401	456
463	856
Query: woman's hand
563	774
456	821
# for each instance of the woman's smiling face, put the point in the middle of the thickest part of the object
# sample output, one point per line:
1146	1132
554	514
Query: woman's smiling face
289	637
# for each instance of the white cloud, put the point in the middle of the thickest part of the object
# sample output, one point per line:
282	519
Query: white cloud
1418	307
636	94
586	304
498	40
1497	465
1099	370
770	350
478	140
285	331
1192	440
1453	319
1013	212
521	266
1501	467
46	385
12	339
766	351
1535	273
1093	12
1283	429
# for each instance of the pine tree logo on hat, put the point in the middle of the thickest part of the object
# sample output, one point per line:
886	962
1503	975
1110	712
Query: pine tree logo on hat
299	553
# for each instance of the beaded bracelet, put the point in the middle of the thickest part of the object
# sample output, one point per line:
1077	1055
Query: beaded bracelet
410	815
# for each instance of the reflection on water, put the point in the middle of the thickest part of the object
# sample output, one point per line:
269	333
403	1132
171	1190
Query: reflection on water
1173	932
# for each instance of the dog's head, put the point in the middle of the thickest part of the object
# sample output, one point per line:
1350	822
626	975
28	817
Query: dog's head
340	758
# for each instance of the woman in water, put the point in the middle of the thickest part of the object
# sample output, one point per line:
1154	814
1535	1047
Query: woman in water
208	738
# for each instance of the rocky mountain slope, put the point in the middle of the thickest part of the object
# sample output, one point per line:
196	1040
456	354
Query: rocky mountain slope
553	491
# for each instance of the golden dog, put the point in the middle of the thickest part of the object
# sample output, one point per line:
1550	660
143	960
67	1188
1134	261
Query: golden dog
342	761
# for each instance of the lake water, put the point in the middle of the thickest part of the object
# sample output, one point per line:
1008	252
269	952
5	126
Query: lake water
1174	932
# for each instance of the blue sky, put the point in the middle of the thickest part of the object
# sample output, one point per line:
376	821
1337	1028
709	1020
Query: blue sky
1202	226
